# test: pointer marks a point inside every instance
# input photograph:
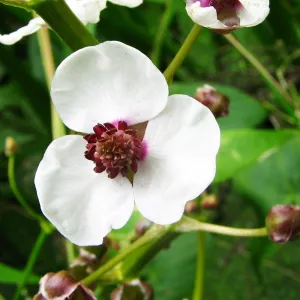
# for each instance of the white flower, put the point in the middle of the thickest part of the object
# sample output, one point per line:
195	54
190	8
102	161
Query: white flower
226	15
88	11
174	162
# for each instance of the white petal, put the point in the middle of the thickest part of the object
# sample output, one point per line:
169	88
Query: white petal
182	144
128	3
106	83
12	38
81	204
87	11
204	16
254	12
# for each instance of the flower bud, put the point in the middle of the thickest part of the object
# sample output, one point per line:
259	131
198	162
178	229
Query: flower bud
10	146
191	207
133	290
283	223
214	100
142	226
209	202
62	286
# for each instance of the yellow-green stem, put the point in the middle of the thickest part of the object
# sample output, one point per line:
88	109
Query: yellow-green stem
182	53
271	81
200	267
58	128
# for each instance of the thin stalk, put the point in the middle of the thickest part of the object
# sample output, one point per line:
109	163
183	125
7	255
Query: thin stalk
269	79
200	267
58	128
15	190
31	262
161	32
182	53
61	19
188	225
141	242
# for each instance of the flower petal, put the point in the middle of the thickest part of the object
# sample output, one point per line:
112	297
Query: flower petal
81	204
87	11
128	3
106	83
12	38
182	144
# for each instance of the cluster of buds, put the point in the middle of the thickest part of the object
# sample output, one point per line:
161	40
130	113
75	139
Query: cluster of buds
213	99
208	202
283	223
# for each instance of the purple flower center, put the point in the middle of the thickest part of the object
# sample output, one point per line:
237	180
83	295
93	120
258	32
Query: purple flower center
226	10
114	149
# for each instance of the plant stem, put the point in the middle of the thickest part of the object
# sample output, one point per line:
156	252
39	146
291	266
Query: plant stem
16	3
182	53
188	225
31	262
61	19
161	32
144	240
15	190
199	278
58	128
269	79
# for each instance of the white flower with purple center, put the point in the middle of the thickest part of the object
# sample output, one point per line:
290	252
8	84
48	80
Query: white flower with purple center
87	11
109	92
227	15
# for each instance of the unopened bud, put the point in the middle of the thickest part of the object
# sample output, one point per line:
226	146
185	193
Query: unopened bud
10	146
191	207
283	223
142	226
133	290
214	100
62	286
209	202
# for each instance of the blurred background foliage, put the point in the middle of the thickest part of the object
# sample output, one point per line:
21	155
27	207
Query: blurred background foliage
258	165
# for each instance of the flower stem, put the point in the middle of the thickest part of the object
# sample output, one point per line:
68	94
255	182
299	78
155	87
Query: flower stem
58	128
161	32
15	190
144	240
62	20
199	278
31	262
16	3
269	79
182	53
188	225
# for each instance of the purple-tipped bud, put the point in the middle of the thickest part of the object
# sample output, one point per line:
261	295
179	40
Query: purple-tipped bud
142	226
191	207
133	290
209	202
214	100
283	223
62	286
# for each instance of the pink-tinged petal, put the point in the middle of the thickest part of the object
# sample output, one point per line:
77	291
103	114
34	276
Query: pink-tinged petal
128	3
106	83
12	38
84	206
183	142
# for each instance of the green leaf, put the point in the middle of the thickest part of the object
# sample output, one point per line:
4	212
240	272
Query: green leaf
9	275
241	148
274	179
244	111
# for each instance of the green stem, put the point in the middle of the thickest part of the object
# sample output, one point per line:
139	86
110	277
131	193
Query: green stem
182	53
17	3
58	128
188	225
31	262
161	32
144	240
15	190
199	278
269	79
70	251
62	20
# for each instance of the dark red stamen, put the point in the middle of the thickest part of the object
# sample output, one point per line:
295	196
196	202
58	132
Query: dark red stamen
115	150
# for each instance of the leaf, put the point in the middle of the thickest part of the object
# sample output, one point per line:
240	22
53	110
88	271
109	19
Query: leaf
244	111
241	148
9	275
